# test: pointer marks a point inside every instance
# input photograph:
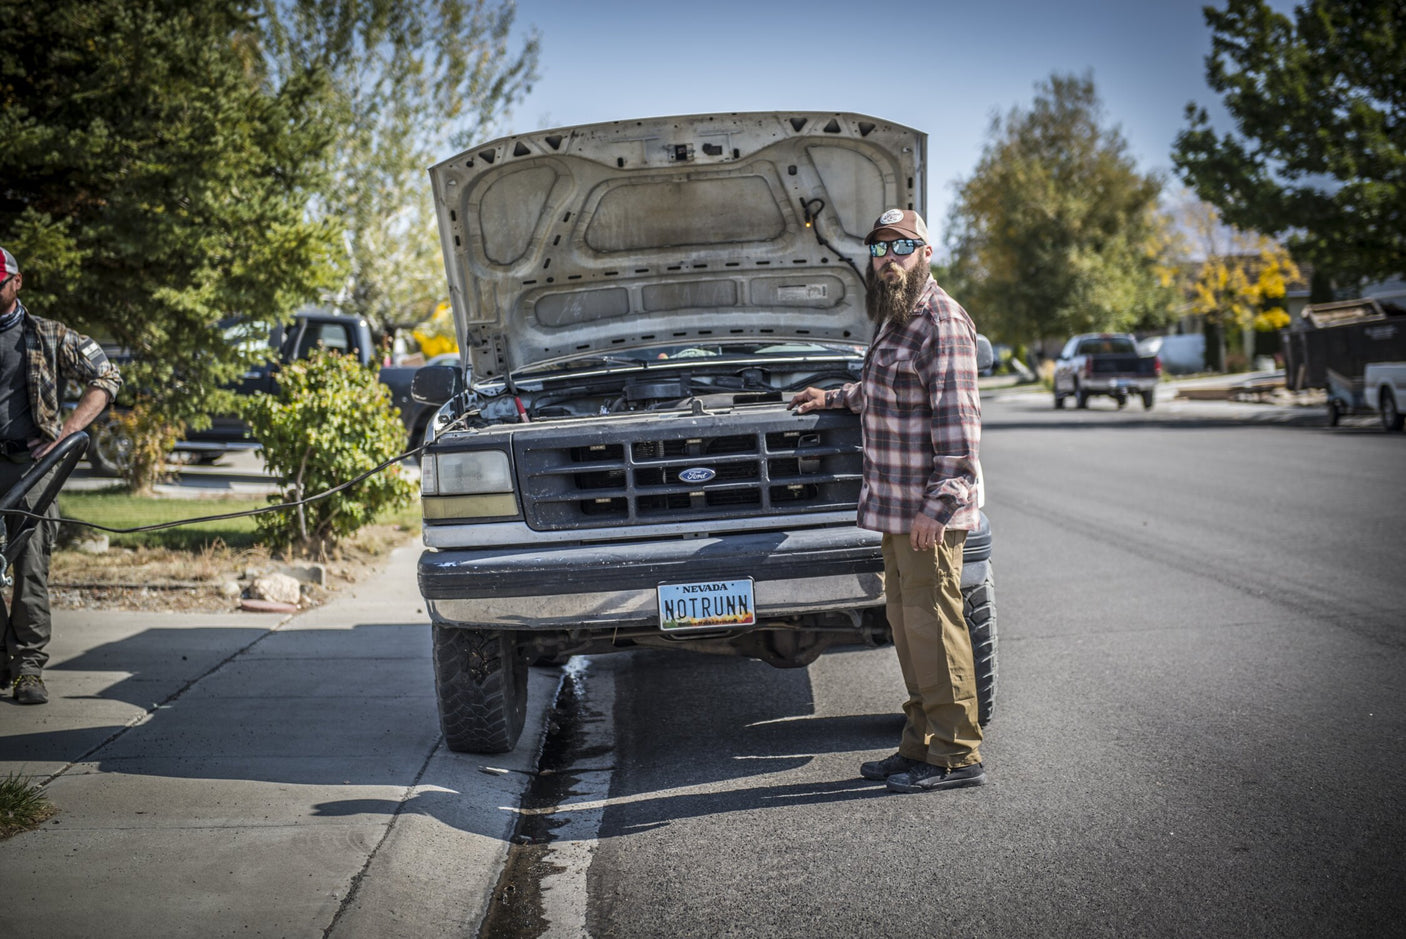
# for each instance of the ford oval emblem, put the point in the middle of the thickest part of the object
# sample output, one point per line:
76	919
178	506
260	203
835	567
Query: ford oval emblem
696	474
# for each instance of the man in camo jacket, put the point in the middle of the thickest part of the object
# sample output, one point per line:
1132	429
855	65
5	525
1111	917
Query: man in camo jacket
36	357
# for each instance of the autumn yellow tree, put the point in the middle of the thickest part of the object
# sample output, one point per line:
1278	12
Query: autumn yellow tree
1236	280
436	334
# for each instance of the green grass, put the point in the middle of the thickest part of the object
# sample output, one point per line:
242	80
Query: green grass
117	508
22	806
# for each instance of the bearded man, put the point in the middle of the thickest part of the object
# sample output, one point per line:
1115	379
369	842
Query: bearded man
921	415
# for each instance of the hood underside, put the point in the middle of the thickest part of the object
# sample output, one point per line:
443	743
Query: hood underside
668	230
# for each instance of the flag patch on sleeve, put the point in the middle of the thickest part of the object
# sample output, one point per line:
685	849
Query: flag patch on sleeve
94	353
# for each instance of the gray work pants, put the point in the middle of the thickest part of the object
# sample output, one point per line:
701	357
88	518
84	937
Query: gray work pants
25	618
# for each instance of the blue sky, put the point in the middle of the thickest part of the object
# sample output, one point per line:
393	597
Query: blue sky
943	67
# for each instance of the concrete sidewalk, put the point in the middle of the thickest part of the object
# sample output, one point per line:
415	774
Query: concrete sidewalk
256	774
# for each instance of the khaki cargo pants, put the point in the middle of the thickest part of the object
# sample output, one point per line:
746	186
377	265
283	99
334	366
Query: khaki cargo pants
924	597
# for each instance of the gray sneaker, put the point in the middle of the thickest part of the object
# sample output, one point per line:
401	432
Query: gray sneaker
883	769
928	778
29	689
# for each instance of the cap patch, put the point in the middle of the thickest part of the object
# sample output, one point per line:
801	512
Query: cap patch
891	216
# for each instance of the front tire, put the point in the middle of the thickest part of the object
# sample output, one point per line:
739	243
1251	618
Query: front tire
480	682
1392	418
1081	397
1149	398
979	610
1335	412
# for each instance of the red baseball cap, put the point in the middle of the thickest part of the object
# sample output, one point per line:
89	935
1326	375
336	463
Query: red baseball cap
8	265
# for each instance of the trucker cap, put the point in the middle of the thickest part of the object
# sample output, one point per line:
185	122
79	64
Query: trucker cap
905	222
9	267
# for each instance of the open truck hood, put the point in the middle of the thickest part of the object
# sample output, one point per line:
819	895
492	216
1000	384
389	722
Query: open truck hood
668	230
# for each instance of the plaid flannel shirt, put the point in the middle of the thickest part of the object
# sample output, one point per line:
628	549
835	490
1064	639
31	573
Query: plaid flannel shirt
54	353
921	414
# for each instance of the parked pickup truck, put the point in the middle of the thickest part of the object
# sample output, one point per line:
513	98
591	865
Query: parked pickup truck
640	300
307	330
415	415
1105	364
1383	390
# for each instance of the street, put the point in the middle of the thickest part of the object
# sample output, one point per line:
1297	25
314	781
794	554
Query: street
1198	729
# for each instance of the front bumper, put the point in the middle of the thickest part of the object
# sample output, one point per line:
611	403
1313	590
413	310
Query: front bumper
614	585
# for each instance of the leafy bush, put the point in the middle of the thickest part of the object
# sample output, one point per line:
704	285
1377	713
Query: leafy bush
330	422
152	436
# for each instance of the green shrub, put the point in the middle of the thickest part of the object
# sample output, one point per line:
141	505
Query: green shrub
331	421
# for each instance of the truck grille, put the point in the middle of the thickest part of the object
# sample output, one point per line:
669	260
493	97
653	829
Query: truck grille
626	474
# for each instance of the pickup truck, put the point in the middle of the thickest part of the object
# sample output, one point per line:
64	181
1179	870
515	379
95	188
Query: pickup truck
1383	390
638	302
307	330
1105	364
415	415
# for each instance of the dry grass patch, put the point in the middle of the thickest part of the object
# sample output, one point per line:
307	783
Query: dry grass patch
208	579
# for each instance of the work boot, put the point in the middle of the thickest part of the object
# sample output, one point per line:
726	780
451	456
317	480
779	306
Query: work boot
928	778
883	769
29	689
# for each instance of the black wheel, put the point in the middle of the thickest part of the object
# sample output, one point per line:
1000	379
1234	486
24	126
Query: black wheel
1081	397
1059	401
1149	398
209	457
1392	418
1122	401
110	449
979	608
480	681
1335	412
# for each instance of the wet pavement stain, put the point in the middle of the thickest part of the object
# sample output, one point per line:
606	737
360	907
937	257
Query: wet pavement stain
516	911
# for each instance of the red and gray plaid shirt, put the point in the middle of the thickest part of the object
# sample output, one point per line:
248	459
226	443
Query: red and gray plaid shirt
921	414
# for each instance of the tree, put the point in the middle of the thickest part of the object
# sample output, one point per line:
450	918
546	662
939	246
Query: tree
1233	279
1056	231
1319	153
155	181
414	83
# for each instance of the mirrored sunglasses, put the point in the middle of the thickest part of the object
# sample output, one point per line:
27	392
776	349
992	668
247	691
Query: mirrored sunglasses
901	247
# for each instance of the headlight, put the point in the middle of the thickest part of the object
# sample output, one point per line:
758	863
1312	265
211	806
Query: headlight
472	471
470	484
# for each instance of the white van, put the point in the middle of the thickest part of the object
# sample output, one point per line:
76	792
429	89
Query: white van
1383	389
1180	355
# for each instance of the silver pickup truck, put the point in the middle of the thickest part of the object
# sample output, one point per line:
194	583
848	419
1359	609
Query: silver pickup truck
1105	364
637	302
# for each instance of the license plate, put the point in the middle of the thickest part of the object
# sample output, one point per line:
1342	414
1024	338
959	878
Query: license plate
707	605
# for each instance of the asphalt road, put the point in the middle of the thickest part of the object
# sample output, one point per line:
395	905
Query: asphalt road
1199	730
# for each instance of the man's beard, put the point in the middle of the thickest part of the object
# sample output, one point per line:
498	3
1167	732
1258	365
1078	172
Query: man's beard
894	302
